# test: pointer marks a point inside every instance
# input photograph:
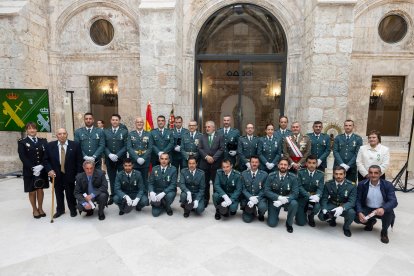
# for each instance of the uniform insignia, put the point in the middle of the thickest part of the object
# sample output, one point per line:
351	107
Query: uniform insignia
133	138
196	142
260	185
97	135
288	187
276	144
317	182
354	143
121	136
188	177
135	183
156	173
324	143
168	178
28	145
168	137
346	193
232	182
145	139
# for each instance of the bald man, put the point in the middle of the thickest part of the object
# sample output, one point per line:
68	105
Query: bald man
63	160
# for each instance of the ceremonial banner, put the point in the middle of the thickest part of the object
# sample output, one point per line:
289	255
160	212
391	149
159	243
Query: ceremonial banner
21	106
172	118
149	125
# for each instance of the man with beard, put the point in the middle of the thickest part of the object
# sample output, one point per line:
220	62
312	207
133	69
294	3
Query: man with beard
247	147
320	145
231	139
163	141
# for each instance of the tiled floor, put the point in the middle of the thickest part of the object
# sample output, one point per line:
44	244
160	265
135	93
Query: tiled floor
138	244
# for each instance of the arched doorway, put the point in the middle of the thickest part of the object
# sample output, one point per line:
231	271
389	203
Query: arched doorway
241	54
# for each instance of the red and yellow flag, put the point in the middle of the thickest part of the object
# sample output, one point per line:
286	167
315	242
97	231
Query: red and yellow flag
172	118
149	125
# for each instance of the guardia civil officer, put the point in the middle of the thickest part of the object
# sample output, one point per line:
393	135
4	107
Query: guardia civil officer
320	144
231	138
248	146
190	142
178	133
163	141
269	150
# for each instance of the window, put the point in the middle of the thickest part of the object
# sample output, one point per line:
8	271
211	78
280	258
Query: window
102	32
392	28
103	97
385	104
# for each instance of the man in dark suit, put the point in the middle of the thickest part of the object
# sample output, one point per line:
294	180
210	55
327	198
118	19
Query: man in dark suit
211	149
376	199
91	186
63	160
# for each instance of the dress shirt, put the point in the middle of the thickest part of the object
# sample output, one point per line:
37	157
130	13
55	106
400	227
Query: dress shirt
374	196
367	156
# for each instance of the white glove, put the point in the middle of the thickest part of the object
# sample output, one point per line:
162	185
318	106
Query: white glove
89	158
140	160
38	168
250	204
283	199
128	199
254	199
159	154
177	148
224	204
189	199
135	202
345	166
338	211
233	152
324	211
314	198
36	173
159	196
319	162
277	203
153	196
227	200
113	157
248	165
195	204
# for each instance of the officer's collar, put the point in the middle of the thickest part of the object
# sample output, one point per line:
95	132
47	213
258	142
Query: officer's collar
350	134
284	174
87	128
163	168
179	129
271	137
309	172
317	134
339	183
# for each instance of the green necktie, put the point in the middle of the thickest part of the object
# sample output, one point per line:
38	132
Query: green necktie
210	140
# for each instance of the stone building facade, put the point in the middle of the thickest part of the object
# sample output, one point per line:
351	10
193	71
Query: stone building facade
334	50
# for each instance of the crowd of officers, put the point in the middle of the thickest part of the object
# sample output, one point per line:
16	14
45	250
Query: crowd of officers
283	170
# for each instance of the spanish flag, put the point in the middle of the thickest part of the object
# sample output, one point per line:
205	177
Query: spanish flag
149	125
172	118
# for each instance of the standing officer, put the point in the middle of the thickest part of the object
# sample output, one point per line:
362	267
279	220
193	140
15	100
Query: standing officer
296	148
281	190
311	182
320	144
163	141
211	150
162	186
283	130
192	188
231	139
91	140
189	143
115	150
227	190
253	181
63	160
247	147
178	134
346	147
129	189
139	146
338	199
269	150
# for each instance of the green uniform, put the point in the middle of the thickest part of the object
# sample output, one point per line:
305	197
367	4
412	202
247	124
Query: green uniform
247	147
177	159
92	143
345	152
253	187
139	145
163	182
189	146
275	187
194	184
269	150
115	143
132	186
308	186
230	186
321	147
280	136
161	142
344	195
231	139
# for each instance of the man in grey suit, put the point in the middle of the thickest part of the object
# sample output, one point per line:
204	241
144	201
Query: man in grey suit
211	149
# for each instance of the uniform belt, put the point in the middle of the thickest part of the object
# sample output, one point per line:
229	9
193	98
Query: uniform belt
191	153
140	151
337	202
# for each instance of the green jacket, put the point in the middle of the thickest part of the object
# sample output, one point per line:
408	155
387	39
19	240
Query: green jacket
140	147
321	147
230	186
133	187
194	184
92	144
253	187
310	185
159	182
116	143
345	196
274	187
346	151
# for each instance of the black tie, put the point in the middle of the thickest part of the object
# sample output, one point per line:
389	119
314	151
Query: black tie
347	138
282	178
311	174
34	140
129	177
253	175
225	132
89	130
163	171
317	137
114	130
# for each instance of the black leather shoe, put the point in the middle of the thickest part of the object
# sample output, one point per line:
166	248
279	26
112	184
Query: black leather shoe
186	215
370	225
232	213
89	213
42	215
102	217
217	216
332	223
384	237
73	213
311	221
37	216
58	214
289	228
139	209
347	232
170	212
121	213
261	218
110	201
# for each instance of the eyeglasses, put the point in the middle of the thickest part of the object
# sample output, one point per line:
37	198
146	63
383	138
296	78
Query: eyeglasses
192	125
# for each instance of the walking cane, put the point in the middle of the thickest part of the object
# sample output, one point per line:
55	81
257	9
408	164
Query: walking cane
53	199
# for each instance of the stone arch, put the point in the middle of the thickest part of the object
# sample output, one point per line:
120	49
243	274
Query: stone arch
365	6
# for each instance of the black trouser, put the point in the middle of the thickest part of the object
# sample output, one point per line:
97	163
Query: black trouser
209	174
386	219
62	187
101	199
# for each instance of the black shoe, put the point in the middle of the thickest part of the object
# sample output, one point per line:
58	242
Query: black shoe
182	205
170	212
232	213
384	237
289	228
101	217
37	216
370	225
73	213
217	216
58	214
42	215
347	232
139	209
261	218
110	201
332	223
205	205
121	213
186	215
311	221
89	213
